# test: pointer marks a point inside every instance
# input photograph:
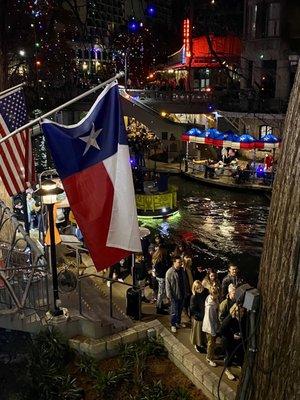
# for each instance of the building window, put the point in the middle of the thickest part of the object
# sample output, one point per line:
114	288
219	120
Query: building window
273	19
265	130
164	136
252	21
204	83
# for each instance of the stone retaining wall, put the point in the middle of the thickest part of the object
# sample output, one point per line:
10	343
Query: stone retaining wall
194	369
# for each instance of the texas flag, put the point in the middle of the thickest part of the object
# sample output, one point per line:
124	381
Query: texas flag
92	160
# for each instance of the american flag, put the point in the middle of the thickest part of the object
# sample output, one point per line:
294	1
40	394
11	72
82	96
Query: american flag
16	158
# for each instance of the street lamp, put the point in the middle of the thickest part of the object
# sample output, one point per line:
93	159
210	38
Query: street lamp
125	55
48	192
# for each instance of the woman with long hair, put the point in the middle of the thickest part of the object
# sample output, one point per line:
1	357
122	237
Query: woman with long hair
211	279
159	268
197	307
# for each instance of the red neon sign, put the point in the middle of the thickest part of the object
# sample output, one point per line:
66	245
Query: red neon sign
187	37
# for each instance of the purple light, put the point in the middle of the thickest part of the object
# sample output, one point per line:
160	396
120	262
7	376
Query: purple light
151	10
133	26
260	171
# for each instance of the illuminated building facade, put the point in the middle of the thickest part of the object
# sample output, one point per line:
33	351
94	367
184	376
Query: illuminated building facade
271	46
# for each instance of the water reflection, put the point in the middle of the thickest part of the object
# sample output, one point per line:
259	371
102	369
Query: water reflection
222	226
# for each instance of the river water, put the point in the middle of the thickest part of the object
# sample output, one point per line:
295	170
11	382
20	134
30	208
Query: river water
222	226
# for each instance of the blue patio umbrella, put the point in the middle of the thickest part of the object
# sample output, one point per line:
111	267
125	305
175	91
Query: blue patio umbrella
211	135
270	138
226	139
245	141
268	141
196	135
193	132
231	136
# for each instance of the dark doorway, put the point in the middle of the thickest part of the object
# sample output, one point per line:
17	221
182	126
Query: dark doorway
268	78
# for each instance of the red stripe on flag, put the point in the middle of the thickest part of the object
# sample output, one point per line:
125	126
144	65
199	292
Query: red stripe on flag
11	156
90	194
20	143
16	160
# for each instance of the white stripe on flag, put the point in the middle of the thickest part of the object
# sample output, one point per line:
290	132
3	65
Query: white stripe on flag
123	230
21	138
8	167
29	160
10	171
6	178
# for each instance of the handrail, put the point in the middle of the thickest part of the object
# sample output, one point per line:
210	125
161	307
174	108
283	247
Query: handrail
112	281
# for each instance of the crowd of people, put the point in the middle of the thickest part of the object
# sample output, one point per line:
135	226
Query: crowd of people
241	174
168	277
192	296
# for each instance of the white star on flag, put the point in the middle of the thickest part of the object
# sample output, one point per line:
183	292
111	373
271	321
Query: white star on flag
91	139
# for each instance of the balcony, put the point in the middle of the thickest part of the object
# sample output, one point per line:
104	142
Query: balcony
203	101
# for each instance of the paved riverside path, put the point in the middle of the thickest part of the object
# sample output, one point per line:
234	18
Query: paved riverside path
149	313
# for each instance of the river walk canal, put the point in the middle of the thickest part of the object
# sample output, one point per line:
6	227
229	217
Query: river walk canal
222	226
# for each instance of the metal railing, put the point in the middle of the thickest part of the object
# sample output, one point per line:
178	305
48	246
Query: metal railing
226	99
266	178
24	274
25	279
112	282
178	96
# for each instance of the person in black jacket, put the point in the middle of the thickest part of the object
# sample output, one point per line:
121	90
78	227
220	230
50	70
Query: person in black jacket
140	275
197	307
230	333
232	277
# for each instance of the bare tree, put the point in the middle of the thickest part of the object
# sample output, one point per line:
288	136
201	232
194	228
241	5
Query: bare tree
275	370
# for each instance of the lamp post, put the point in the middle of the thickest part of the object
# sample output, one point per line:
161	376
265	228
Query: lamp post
125	54
48	192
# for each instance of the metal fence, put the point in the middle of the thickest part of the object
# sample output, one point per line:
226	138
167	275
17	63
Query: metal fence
24	274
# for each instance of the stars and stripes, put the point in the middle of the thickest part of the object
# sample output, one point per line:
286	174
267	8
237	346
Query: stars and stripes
16	158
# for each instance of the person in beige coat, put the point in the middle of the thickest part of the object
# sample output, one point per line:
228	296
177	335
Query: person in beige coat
211	323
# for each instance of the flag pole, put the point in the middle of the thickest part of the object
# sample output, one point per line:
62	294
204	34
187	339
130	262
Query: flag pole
10	89
81	96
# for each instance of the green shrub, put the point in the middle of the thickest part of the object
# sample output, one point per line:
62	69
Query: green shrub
156	391
87	365
180	394
106	383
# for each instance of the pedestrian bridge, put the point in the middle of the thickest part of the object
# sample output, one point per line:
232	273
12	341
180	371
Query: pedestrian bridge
136	108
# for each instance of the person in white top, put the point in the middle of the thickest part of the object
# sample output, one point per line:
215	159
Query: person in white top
211	323
224	153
